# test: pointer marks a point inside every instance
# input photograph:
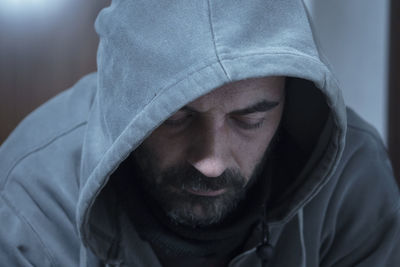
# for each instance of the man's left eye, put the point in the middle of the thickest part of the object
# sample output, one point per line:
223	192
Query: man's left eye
249	123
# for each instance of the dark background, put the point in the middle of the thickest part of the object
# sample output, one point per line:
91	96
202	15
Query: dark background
394	87
43	53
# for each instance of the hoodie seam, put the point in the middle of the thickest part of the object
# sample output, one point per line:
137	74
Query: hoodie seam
37	148
24	220
223	58
176	82
189	75
228	57
300	217
214	40
219	60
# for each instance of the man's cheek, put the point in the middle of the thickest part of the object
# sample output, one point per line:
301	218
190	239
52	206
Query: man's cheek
169	157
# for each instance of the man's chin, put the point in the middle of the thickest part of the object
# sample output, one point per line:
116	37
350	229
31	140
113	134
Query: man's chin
195	218
199	210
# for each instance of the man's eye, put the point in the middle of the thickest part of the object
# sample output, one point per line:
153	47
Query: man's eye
178	119
249	123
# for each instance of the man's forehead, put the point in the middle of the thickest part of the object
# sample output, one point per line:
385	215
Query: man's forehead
241	94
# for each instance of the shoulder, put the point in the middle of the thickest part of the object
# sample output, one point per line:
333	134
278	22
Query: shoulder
363	143
365	189
50	122
365	166
363	211
39	171
358	127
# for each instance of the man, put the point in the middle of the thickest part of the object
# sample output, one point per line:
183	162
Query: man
211	135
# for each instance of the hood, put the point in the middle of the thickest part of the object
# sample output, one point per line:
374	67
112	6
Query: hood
156	56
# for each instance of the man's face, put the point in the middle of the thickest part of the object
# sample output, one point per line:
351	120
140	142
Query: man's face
197	164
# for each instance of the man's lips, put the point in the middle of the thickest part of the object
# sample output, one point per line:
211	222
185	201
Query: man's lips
208	193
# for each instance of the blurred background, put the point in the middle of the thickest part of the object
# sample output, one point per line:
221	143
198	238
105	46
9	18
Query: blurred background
47	45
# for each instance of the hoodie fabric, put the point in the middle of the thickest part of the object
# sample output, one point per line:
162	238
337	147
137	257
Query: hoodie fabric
338	207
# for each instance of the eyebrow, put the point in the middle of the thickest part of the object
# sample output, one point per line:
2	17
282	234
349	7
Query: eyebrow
261	106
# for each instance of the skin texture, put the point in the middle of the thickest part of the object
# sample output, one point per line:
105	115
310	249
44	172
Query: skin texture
197	164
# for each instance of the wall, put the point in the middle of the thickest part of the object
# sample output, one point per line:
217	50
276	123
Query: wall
354	37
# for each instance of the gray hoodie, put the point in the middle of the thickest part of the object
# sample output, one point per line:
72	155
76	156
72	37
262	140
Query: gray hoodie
154	57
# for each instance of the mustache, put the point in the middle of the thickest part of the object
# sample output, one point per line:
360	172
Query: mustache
190	177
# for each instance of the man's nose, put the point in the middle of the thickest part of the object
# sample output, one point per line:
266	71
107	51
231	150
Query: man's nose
209	152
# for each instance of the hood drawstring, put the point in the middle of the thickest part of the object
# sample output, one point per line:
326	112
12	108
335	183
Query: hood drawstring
265	250
301	231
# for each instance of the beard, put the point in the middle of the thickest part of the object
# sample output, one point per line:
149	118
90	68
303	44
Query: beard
172	190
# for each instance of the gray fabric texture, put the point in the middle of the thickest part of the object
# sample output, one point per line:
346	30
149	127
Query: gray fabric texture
154	57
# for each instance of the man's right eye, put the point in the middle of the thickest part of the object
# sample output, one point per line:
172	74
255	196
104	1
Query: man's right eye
180	118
